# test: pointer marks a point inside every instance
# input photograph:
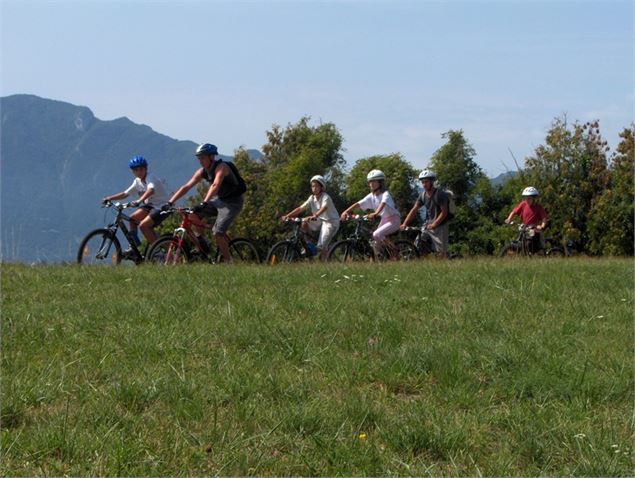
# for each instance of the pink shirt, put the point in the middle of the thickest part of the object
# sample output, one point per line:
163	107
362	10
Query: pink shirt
530	215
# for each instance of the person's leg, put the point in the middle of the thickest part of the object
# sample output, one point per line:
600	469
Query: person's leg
327	233
387	226
228	210
439	237
136	218
148	224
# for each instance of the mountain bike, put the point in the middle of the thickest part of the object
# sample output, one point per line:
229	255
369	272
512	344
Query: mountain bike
183	246
292	249
359	246
421	245
102	247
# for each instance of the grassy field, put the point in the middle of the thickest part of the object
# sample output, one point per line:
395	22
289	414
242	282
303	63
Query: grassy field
484	367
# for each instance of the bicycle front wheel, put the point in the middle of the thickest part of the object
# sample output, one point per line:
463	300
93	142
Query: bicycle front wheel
166	251
244	251
283	252
351	251
99	247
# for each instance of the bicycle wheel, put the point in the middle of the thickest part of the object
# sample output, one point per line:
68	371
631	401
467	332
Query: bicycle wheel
166	251
281	252
99	247
406	250
509	251
349	251
244	251
555	252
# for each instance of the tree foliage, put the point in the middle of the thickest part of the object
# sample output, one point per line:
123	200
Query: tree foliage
611	217
571	171
280	181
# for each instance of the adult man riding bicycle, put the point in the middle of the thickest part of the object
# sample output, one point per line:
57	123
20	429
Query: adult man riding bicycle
224	198
437	203
532	215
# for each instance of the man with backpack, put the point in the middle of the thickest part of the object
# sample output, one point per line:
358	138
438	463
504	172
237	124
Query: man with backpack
437	203
224	198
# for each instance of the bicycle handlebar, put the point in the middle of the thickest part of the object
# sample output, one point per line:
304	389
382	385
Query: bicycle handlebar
358	218
120	205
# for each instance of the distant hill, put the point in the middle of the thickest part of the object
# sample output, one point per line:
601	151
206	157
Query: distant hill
501	178
58	160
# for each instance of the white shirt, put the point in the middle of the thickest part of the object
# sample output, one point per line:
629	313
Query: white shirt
160	195
373	201
330	215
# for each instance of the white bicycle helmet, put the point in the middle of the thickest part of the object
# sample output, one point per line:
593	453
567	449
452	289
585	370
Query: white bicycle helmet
427	174
320	179
530	191
375	175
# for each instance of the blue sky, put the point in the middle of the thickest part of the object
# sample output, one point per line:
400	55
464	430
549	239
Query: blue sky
392	75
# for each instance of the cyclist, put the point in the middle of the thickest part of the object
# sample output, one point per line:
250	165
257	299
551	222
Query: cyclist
324	218
532	215
151	190
224	198
436	202
382	204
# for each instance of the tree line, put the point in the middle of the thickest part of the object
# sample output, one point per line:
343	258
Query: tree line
586	189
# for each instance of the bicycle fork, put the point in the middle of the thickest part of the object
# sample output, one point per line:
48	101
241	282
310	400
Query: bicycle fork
104	247
173	255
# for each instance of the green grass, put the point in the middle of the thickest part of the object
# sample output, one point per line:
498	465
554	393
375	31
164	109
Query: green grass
484	367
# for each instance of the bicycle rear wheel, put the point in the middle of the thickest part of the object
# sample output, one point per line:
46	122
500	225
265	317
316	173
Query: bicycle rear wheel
166	251
99	247
509	251
351	251
244	251
406	250
555	252
283	252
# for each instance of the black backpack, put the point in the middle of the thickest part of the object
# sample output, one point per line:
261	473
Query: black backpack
241	186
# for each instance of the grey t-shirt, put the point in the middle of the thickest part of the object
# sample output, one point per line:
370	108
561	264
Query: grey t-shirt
434	203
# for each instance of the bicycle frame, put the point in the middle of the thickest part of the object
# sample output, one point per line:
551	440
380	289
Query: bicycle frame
523	241
422	241
185	232
119	223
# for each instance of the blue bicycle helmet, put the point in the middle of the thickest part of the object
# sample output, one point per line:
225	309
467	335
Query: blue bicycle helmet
206	149
137	162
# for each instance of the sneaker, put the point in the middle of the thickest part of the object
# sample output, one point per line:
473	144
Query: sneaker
311	249
128	255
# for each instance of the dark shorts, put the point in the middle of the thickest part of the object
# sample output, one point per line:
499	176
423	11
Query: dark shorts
225	210
157	217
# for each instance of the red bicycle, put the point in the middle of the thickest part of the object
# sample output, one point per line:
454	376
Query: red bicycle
183	246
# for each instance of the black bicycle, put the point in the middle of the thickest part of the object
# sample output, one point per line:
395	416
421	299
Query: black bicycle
359	246
102	247
421	245
292	249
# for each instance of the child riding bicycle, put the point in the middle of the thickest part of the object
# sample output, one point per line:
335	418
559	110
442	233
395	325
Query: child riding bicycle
323	219
152	192
382	204
532	215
